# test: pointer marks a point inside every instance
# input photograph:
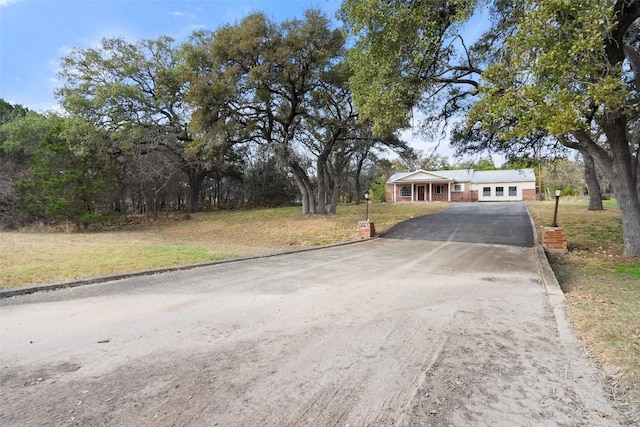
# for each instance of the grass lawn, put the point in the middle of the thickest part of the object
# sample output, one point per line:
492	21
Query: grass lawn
44	256
602	291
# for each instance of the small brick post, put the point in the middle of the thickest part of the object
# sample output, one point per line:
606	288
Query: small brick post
365	229
554	239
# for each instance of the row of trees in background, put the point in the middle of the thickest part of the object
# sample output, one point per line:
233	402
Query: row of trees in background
59	168
254	114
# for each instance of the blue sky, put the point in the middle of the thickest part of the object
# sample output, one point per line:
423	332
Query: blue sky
35	34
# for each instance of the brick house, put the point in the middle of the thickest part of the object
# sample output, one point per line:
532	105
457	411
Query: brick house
462	185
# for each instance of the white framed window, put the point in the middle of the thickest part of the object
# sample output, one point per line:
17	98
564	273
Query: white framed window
513	191
405	191
458	187
499	191
486	191
439	189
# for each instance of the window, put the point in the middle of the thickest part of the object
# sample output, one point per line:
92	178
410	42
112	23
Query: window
439	189
500	191
458	187
405	191
513	191
486	191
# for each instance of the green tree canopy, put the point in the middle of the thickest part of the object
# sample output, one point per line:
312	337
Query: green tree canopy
68	177
136	91
281	85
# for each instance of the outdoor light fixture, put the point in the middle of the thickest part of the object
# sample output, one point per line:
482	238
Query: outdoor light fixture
555	212
367	196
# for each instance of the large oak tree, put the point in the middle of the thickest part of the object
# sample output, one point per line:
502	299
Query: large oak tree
135	92
260	77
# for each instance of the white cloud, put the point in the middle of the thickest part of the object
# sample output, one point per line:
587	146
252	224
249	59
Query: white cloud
7	2
180	14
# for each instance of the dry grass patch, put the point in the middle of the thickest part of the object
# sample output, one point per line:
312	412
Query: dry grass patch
28	256
602	291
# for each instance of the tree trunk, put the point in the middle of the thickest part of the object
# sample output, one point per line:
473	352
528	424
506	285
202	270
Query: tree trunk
195	181
593	185
305	187
621	173
304	196
155	203
630	212
336	169
322	185
335	196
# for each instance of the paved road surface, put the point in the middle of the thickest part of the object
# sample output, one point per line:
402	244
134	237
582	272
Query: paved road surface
383	332
493	223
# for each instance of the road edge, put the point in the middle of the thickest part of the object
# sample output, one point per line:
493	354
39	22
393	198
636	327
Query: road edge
587	373
46	287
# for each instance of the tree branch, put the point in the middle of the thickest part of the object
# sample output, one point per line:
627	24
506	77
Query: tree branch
633	56
627	11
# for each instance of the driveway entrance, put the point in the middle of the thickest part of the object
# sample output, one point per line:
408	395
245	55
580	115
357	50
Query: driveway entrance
505	223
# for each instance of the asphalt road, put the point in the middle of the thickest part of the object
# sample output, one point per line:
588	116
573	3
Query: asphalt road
382	332
491	223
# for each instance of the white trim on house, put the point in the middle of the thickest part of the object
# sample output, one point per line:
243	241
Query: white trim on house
458	187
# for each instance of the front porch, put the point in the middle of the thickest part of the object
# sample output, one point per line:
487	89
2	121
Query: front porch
421	192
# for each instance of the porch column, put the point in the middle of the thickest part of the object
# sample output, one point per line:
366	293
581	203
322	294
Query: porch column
449	193
395	189
430	191
412	197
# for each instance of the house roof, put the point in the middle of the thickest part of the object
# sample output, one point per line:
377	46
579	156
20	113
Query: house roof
464	175
506	175
418	176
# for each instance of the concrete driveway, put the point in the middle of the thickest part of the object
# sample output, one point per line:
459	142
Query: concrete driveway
382	332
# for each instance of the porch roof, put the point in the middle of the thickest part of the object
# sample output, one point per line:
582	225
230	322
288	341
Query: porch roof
431	176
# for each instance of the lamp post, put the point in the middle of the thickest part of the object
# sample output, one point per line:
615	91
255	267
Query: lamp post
555	212
367	196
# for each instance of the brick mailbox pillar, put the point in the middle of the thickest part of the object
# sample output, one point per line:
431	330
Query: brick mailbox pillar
366	229
554	239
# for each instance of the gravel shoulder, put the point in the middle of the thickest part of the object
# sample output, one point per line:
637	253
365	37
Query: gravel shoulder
383	332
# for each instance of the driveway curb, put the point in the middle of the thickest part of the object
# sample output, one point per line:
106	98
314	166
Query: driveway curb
570	343
549	278
8	293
